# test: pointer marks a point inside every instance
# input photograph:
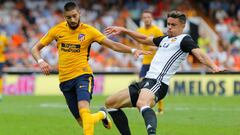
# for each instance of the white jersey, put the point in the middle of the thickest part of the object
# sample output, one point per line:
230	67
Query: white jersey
169	56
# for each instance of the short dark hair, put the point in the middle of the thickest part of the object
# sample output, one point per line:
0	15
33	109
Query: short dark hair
147	11
177	14
70	6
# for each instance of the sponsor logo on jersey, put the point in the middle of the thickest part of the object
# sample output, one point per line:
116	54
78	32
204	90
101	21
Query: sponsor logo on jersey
74	48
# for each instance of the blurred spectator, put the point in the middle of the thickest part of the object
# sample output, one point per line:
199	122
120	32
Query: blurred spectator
226	16
3	45
204	42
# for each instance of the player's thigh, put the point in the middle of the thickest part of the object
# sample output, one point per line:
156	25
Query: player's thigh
1	68
146	98
83	89
147	94
70	95
72	102
152	93
119	100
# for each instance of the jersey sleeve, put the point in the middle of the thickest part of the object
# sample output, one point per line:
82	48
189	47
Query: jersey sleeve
188	44
158	40
97	35
48	37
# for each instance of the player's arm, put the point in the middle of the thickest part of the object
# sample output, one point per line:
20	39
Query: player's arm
36	55
141	38
119	47
47	39
153	48
188	45
158	36
204	59
36	51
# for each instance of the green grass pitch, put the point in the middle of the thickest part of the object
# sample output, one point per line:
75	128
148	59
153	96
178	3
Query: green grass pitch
184	115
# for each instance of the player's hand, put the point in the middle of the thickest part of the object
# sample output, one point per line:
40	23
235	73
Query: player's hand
45	67
113	30
137	53
216	69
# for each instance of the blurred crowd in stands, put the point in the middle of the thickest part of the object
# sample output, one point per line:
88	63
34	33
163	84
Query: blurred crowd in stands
24	22
225	15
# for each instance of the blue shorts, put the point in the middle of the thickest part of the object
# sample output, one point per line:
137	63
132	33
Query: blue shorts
77	89
1	69
144	70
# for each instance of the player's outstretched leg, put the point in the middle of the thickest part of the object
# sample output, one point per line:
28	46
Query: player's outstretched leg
120	120
106	120
100	115
150	119
88	121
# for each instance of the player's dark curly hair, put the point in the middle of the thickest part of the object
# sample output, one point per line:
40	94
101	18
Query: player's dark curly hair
70	6
177	14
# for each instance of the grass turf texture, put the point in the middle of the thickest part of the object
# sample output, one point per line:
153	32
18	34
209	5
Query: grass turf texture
184	115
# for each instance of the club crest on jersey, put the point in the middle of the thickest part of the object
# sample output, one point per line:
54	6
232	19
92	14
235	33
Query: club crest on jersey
81	37
174	39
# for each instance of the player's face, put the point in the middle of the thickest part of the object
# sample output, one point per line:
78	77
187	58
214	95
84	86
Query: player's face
175	27
147	19
73	18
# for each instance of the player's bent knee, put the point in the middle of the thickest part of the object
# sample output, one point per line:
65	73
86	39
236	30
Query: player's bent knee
152	104
110	103
144	102
140	103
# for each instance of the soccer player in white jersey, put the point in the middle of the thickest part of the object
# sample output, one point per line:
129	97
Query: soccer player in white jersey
172	50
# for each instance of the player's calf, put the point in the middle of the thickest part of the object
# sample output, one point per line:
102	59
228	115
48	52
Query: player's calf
150	119
88	121
120	120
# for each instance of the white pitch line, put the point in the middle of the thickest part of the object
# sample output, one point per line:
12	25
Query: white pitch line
53	105
60	105
202	109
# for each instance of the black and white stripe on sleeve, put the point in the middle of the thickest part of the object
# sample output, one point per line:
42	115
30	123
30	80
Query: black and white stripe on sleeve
158	40
187	44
